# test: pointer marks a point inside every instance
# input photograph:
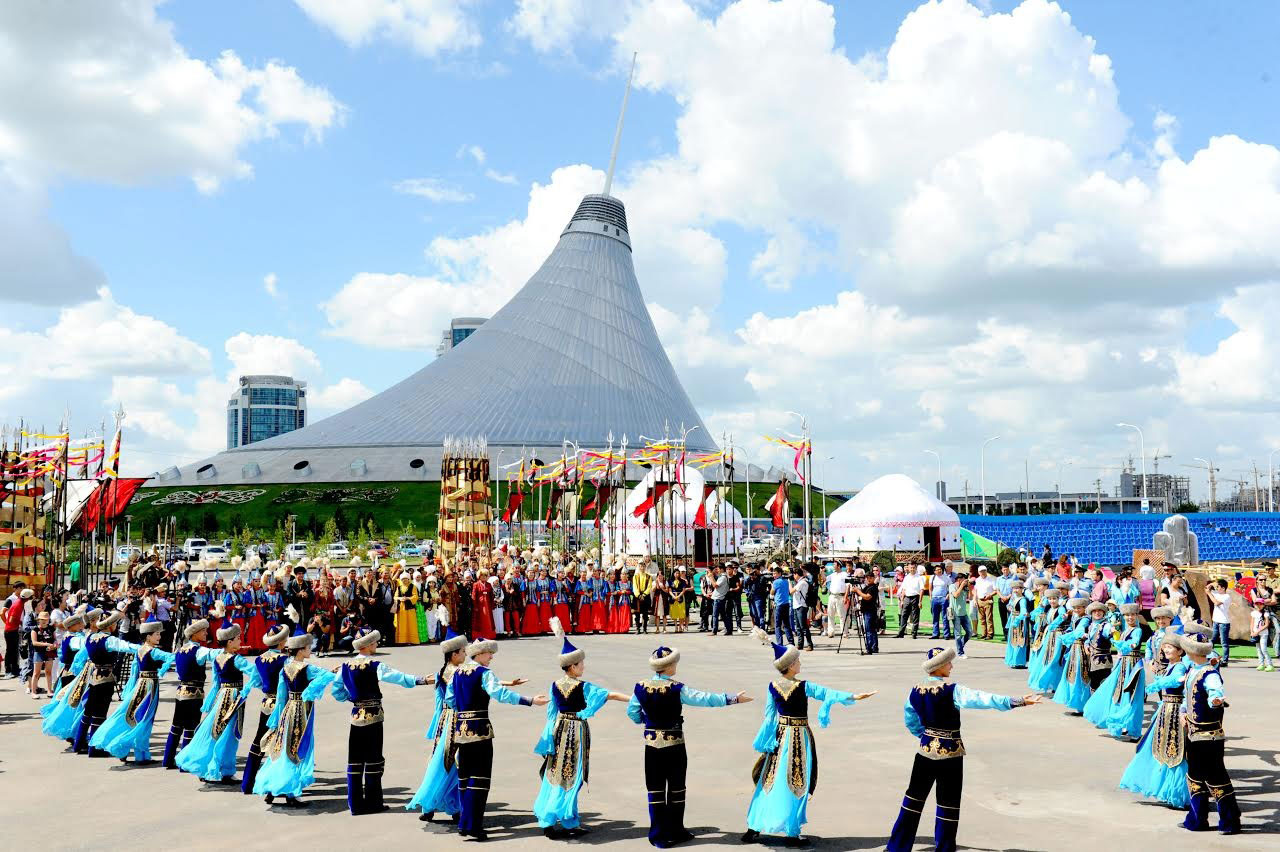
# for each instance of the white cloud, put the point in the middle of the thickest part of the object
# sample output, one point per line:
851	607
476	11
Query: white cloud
475	152
1240	371
340	395
103	91
432	189
270	284
428	27
554	25
500	177
39	265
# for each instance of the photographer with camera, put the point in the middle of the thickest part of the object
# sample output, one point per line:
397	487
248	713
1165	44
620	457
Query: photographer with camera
868	597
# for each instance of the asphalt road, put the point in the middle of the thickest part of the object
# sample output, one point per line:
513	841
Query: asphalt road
1034	778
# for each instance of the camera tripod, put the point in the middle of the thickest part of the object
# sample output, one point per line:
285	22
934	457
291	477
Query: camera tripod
852	616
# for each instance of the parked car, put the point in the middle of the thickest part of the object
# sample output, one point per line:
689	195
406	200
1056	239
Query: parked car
255	550
754	547
408	549
168	552
192	547
295	551
540	542
378	549
215	550
125	552
338	550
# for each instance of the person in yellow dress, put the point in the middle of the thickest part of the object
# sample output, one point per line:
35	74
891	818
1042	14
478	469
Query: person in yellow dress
406	611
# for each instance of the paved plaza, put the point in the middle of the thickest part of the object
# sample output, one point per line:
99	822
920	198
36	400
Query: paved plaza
1035	779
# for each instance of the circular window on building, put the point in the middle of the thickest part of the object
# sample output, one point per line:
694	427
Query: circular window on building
303	468
359	468
206	471
416	463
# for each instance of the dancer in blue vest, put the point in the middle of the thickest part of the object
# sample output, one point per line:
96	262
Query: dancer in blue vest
189	662
62	714
128	730
1018	631
99	653
656	704
932	713
1098	646
211	754
472	688
1117	705
439	788
565	744
360	682
289	746
1204	705
780	801
1073	687
1159	768
269	665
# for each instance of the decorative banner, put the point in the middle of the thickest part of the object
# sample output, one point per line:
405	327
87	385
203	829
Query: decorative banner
108	502
801	447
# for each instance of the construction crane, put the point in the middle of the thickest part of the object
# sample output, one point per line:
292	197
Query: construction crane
1213	480
1155	462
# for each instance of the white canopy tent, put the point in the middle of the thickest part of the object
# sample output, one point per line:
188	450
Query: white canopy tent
894	513
671	527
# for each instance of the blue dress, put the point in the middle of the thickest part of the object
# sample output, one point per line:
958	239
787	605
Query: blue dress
1049	670
439	788
781	798
62	714
1118	703
1038	619
289	745
1073	688
1017	634
211	754
128	729
1159	768
565	746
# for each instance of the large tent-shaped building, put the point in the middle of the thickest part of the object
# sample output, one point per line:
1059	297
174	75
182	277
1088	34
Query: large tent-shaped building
573	356
894	513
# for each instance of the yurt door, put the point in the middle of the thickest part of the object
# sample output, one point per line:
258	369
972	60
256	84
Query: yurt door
701	548
933	542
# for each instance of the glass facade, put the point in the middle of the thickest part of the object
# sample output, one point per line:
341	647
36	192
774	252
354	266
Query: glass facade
264	407
461	334
268	422
233	426
273	396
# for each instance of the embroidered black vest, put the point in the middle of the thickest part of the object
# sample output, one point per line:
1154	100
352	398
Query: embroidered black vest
661	712
934	703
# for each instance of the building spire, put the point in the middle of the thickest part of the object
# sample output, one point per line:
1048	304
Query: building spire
617	134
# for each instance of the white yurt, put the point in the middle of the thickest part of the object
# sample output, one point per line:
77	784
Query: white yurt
672	529
895	513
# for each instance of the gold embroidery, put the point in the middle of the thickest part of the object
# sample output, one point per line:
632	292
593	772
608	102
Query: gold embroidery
572	739
1167	742
226	707
79	688
145	689
930	687
785	686
797	748
566	685
662	737
656	685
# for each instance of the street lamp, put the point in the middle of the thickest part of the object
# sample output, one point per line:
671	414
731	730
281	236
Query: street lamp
1142	448
937	486
982	469
497	495
1061	506
1213	491
824	487
1271	482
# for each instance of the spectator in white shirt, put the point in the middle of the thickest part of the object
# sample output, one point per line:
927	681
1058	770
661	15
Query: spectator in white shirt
909	591
984	589
1220	597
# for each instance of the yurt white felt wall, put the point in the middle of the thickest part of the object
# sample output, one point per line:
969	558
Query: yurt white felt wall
894	512
672	528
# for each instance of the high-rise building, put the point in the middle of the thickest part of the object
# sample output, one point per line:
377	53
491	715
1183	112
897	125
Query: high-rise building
459	330
264	407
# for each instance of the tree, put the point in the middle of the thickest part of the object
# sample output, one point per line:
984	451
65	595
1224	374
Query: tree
1007	556
884	561
278	540
328	536
1186	508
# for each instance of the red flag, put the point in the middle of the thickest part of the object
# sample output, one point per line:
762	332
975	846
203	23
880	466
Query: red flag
700	519
514	499
108	502
599	501
656	492
553	506
779	505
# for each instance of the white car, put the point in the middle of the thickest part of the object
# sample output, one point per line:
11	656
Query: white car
252	551
191	548
338	550
540	543
295	551
217	551
753	547
125	552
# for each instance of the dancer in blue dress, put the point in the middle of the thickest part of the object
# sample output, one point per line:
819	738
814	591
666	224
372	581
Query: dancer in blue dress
269	665
565	744
62	714
128	729
1159	768
780	802
1017	631
99	654
1117	704
289	745
1038	619
439	788
1049	670
211	754
1073	687
932	713
1164	619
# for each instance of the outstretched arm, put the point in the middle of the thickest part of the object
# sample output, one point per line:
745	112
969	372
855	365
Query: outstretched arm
975	699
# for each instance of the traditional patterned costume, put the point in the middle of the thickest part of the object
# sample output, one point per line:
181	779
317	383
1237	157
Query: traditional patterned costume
289	745
255	624
657	705
1099	645
1159	768
211	754
62	715
1073	687
189	662
1049	670
1018	630
407	613
482	626
561	592
599	603
786	774
1203	707
1041	616
269	665
532	623
439	788
129	728
1118	703
472	687
932	713
360	682
99	653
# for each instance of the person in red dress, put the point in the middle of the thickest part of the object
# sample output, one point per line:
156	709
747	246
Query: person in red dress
256	626
563	588
621	621
545	587
482	608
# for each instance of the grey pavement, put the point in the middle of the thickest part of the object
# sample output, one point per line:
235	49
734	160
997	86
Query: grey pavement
1035	779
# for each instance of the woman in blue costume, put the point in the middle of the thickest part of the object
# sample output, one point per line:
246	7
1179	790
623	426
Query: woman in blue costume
1049	668
1117	705
785	742
439	788
1073	687
1159	769
62	714
1038	619
1165	623
289	746
211	754
128	729
565	744
1017	631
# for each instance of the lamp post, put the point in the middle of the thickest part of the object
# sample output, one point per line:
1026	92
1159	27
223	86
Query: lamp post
497	495
824	489
1271	482
1058	484
937	485
1142	448
1213	488
982	469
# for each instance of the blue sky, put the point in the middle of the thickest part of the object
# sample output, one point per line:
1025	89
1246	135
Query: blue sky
321	208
